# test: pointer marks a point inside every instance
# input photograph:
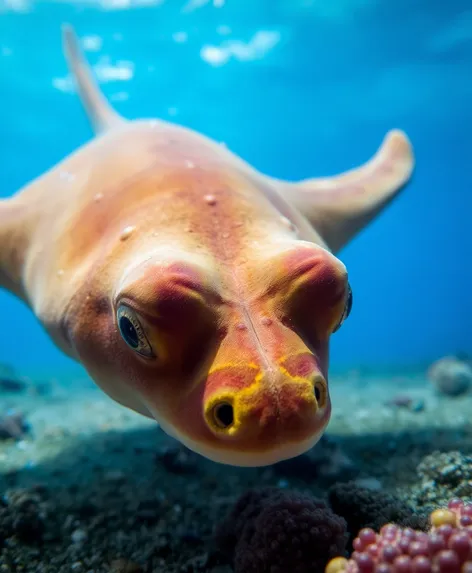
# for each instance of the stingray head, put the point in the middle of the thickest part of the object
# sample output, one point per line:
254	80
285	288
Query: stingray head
234	365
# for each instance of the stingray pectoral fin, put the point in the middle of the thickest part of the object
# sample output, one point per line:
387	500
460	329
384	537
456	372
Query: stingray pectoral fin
101	114
15	228
341	206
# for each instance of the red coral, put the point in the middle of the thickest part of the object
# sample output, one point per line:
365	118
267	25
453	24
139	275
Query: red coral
446	548
277	531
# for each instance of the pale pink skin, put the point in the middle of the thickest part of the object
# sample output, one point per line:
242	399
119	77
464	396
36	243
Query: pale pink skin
230	276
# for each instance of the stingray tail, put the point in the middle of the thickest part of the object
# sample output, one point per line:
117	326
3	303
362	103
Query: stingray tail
100	113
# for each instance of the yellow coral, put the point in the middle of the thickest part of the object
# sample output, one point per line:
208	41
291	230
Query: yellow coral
443	517
336	565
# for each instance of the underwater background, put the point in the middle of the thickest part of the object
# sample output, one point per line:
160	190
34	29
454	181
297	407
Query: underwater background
298	88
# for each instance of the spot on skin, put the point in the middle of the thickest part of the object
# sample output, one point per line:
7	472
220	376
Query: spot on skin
301	365
127	232
229	377
67	176
241	326
98	197
101	305
60	272
266	321
189	164
210	199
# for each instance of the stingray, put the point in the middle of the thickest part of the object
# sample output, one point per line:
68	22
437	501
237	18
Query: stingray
192	288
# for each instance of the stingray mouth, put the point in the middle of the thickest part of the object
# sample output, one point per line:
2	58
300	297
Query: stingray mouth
251	455
247	427
254	426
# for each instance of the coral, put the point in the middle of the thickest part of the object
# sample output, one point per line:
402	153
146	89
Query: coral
366	508
445	475
246	509
445	548
275	531
22	515
451	376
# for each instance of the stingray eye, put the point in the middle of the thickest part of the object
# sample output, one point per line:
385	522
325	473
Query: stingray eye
132	332
347	308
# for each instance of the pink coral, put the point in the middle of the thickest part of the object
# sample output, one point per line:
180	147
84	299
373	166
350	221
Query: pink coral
446	548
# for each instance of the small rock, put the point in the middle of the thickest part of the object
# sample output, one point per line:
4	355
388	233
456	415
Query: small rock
115	476
149	510
125	566
147	516
40	389
87	509
326	463
283	483
79	536
12	385
451	376
400	401
191	537
369	483
198	564
13	426
178	460
9	379
417	406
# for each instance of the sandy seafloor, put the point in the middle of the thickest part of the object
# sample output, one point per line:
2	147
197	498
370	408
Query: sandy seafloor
96	487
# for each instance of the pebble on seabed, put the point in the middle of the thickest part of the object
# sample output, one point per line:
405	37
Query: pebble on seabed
451	376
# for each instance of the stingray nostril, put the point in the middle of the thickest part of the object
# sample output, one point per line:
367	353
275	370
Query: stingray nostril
319	390
223	415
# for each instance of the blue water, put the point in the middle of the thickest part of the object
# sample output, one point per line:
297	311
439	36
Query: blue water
297	87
